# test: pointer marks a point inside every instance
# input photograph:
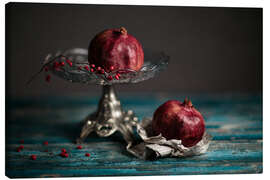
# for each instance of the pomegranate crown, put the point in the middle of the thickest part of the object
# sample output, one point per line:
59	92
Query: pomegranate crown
123	30
188	102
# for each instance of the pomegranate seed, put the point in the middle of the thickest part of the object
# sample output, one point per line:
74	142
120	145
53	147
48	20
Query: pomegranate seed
18	150
33	157
46	69
106	70
79	147
92	70
111	68
80	68
48	78
86	68
92	65
69	62
62	63
98	68
21	147
22	141
87	154
116	77
102	71
64	150
66	155
56	64
109	78
118	74
45	143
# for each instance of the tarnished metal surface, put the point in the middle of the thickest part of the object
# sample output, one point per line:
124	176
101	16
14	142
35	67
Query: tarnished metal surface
109	118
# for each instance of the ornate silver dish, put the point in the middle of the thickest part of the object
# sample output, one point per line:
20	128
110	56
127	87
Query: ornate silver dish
110	116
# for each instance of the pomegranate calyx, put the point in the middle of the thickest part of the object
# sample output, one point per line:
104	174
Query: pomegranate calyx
186	101
123	31
190	103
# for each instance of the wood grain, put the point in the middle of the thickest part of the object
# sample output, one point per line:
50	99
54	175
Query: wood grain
234	121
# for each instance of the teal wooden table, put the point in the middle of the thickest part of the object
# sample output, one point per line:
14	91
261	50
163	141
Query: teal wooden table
234	121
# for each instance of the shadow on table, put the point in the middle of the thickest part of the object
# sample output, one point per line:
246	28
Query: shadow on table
72	132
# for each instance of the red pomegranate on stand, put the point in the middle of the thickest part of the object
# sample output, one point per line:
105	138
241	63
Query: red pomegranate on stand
115	49
177	120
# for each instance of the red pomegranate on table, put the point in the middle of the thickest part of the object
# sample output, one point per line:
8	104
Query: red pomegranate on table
177	120
115	49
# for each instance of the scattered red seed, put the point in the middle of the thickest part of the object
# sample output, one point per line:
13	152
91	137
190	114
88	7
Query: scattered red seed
98	68
106	70
20	148
102	71
92	70
118	74
45	143
48	78
64	154
86	67
69	62
87	154
112	68
22	141
62	63
33	157
109	78
79	147
116	77
64	150
46	69
92	65
56	63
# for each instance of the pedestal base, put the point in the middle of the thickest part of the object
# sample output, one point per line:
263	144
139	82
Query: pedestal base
109	118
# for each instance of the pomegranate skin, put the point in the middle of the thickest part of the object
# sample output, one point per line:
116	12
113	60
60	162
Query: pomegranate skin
116	48
176	120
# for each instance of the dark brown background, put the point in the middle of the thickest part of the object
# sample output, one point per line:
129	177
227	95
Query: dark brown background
212	50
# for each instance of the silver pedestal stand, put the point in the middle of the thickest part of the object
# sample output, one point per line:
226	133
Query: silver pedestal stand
109	117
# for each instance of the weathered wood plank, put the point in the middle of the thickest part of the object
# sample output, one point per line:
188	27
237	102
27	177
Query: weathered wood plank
242	155
234	121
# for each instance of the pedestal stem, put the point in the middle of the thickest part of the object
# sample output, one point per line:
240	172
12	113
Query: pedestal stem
109	118
109	108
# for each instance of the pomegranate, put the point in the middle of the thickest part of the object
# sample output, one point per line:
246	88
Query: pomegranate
115	49
177	120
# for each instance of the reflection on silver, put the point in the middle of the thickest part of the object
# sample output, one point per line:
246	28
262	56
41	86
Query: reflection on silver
108	118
